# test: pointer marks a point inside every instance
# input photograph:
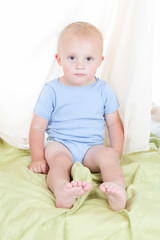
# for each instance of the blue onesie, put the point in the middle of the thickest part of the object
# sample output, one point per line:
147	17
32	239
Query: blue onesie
76	114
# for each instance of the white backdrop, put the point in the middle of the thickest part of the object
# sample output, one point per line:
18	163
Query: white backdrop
29	32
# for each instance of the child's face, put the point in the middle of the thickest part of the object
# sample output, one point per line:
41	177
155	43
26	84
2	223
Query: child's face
79	56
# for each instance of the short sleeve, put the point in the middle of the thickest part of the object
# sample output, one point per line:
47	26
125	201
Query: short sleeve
111	103
46	102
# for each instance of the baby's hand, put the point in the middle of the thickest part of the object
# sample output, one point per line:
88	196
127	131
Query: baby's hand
39	166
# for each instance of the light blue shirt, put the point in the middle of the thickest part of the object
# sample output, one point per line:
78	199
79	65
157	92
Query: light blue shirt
76	113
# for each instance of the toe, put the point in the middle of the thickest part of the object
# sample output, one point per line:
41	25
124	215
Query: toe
87	187
102	188
79	183
74	184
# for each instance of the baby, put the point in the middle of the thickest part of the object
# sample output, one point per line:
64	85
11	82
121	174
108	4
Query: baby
73	110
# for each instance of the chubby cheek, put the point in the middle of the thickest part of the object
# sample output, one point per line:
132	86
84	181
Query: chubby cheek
92	70
67	69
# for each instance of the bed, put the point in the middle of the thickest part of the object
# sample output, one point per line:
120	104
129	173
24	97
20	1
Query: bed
28	212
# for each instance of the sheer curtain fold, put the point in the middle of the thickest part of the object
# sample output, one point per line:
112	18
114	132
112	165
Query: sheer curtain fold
128	68
28	60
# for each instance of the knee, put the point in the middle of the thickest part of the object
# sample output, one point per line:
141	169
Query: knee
61	160
108	155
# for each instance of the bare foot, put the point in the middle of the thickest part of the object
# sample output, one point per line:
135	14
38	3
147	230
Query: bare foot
67	193
116	195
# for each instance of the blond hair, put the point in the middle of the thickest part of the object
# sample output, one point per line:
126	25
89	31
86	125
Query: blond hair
81	29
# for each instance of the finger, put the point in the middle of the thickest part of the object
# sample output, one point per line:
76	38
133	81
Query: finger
39	169
31	168
35	170
44	168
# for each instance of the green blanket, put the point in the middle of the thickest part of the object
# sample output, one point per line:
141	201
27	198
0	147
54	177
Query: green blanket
27	210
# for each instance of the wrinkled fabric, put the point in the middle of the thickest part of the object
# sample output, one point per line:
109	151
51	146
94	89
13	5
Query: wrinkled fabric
27	207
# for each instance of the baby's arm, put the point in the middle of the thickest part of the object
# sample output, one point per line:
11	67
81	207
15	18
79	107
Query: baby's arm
116	131
36	140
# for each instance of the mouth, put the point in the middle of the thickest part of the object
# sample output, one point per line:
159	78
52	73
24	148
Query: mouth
80	74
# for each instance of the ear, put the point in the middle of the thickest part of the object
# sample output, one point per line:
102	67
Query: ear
102	59
58	59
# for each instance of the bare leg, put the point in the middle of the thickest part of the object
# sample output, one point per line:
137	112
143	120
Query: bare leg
60	162
105	160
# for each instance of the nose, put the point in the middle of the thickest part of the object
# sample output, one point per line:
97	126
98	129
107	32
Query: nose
79	64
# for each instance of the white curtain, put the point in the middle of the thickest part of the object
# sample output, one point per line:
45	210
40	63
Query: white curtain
156	56
129	69
29	31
